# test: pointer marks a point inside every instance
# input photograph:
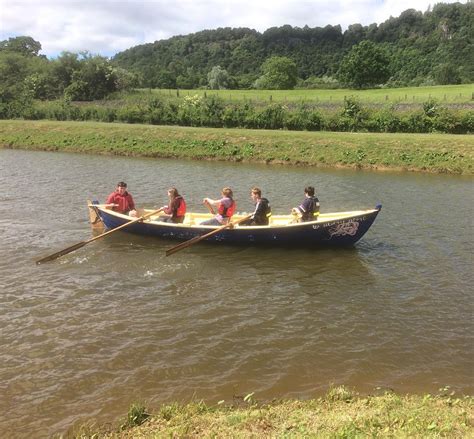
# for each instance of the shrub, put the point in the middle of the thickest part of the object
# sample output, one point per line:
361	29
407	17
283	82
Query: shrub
212	110
430	107
272	117
131	115
467	122
385	121
446	122
418	122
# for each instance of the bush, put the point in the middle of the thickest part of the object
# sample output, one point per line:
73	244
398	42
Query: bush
417	122
353	115
467	122
303	119
446	122
272	117
239	115
131	115
212	110
385	121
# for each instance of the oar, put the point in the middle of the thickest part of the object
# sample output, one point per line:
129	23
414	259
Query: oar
196	239
209	206
83	243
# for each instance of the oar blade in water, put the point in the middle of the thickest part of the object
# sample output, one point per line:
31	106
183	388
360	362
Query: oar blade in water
62	252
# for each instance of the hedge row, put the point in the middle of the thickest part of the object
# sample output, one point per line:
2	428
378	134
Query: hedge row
212	112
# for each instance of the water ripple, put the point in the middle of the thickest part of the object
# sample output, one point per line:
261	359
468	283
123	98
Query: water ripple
117	321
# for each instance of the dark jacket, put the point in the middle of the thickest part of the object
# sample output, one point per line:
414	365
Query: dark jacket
262	213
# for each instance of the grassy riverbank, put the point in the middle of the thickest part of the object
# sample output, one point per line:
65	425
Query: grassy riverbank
339	414
418	152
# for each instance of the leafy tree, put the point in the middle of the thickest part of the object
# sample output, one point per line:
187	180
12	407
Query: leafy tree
218	78
124	80
22	45
94	80
416	41
13	71
447	74
15	96
366	65
163	79
40	81
64	67
279	73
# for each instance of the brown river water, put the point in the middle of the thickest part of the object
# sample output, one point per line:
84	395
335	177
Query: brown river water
115	322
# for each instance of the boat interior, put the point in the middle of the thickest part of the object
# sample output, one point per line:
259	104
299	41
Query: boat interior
195	218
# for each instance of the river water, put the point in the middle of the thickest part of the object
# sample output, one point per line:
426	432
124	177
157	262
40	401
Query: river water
84	336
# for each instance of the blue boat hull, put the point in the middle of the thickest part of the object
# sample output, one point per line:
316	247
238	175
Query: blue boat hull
337	232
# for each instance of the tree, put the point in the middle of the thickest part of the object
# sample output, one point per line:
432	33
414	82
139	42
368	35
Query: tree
279	73
13	71
446	74
95	79
64	67
218	78
366	65
124	80
22	45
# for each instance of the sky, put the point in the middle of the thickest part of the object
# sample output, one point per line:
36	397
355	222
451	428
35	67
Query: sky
106	27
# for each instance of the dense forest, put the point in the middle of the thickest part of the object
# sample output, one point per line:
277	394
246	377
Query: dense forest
416	48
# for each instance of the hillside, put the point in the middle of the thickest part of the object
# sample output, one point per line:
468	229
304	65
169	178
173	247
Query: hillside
425	48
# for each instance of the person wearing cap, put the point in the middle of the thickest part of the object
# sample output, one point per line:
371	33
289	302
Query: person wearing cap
308	210
122	200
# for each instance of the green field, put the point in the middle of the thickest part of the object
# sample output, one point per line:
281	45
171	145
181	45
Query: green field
449	94
442	153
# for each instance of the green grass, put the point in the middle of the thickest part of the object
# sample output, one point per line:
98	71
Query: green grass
442	153
339	414
449	94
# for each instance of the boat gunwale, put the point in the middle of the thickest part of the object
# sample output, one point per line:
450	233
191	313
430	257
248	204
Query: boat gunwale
335	216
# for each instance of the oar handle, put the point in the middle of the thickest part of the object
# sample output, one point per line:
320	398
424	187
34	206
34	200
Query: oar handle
209	206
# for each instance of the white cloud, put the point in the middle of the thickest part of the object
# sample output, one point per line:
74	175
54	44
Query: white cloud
109	26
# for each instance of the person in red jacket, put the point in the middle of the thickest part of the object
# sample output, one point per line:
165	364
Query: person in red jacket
122	200
176	208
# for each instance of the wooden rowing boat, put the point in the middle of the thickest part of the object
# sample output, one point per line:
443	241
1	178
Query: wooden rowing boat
330	229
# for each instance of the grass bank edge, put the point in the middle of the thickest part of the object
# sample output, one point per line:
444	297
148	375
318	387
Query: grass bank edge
340	413
437	153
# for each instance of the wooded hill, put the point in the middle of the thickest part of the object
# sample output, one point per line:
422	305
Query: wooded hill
424	48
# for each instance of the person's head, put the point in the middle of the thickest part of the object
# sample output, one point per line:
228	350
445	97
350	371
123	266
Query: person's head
173	192
255	193
227	192
309	190
121	187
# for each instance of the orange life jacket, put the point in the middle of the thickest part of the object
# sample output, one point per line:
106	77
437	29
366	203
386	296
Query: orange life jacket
227	212
181	211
